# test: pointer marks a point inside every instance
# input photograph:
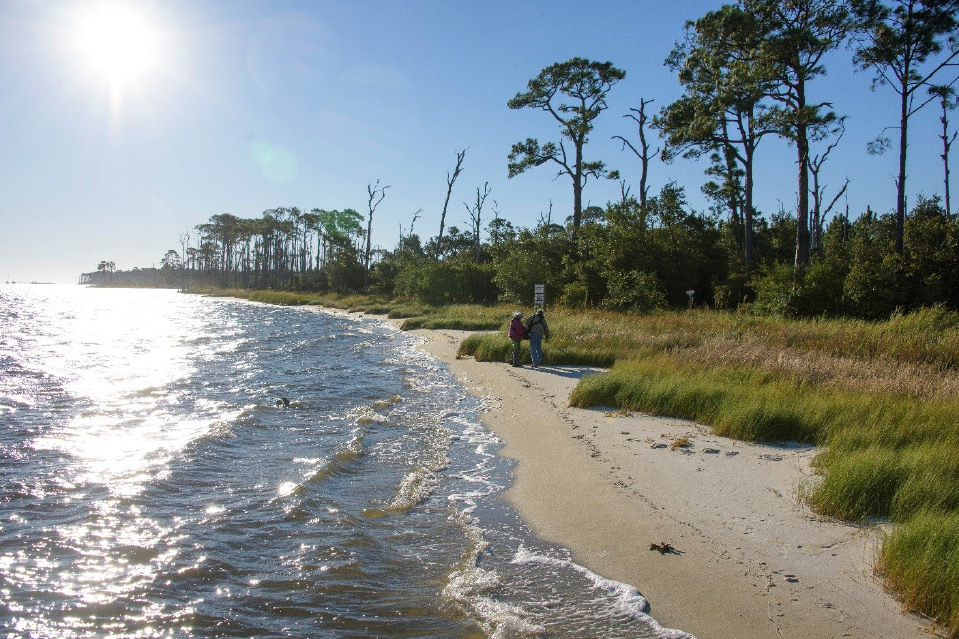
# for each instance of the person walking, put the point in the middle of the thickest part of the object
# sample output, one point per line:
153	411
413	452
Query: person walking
516	330
538	330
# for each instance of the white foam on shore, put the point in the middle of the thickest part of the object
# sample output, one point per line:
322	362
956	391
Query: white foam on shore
418	484
508	589
626	598
499	619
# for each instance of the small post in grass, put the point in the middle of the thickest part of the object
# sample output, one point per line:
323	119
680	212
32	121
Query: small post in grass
690	293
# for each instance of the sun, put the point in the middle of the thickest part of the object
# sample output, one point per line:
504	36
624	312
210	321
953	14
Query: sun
117	42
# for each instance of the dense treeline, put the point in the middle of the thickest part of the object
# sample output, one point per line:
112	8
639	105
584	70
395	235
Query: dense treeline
627	257
747	71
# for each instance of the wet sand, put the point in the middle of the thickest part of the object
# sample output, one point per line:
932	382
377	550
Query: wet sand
750	560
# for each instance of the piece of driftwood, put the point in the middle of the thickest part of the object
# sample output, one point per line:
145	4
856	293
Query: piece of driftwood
664	548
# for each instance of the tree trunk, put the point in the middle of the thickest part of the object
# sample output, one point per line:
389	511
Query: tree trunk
366	259
946	143
450	179
945	161
748	206
645	156
802	210
578	186
901	180
815	220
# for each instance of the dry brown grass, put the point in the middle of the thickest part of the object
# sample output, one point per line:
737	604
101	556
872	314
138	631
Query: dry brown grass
817	368
909	356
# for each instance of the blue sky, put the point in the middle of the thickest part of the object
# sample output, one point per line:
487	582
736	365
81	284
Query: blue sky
249	106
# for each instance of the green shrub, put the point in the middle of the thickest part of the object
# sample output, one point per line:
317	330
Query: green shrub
454	281
635	291
820	291
777	292
518	273
574	295
875	288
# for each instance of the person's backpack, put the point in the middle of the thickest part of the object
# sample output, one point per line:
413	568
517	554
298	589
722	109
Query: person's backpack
527	328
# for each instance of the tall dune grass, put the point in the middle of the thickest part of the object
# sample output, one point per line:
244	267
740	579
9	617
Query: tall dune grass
920	562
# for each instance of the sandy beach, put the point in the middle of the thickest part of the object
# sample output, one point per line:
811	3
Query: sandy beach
750	560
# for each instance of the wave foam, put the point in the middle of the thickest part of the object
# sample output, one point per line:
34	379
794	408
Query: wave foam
626	598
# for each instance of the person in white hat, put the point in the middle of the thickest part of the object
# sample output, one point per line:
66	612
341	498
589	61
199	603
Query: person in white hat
516	331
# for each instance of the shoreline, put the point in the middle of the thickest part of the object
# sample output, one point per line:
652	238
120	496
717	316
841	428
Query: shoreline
751	560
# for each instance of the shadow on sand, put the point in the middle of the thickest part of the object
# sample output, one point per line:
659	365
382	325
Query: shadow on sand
569	371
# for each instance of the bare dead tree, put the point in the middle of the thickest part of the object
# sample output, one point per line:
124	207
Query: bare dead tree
547	219
843	190
496	210
184	270
816	218
947	100
623	194
376	193
450	179
476	215
643	153
416	216
496	214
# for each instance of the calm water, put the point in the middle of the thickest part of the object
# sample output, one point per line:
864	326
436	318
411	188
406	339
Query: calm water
151	486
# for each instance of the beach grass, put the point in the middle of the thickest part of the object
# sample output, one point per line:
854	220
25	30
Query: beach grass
919	561
879	399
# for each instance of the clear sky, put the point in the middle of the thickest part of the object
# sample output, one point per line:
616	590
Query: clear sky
112	147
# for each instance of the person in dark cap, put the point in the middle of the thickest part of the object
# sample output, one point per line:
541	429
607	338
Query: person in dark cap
538	330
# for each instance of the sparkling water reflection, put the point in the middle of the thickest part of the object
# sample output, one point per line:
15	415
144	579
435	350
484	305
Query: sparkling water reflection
151	485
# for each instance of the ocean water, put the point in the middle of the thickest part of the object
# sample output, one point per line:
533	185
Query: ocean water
153	482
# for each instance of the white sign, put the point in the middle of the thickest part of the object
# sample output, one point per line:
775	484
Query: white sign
539	295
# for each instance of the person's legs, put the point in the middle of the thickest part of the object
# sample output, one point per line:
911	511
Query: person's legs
536	348
516	352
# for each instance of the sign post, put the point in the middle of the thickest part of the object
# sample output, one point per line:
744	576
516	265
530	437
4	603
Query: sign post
539	296
690	293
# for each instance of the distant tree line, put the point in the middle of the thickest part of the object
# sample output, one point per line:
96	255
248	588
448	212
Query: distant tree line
747	71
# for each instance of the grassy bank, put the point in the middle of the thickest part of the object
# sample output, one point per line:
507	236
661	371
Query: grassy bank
881	399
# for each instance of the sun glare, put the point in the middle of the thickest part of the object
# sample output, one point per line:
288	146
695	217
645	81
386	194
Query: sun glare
117	42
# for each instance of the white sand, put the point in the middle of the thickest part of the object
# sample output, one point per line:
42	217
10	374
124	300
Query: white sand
752	562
